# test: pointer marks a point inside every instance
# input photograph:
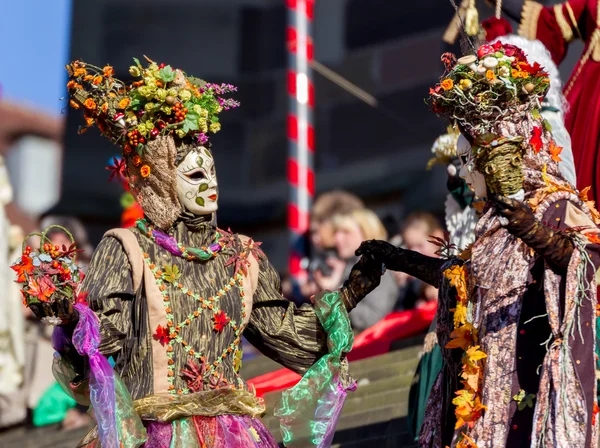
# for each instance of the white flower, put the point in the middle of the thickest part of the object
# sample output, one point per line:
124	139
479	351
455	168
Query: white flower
504	71
52	320
490	62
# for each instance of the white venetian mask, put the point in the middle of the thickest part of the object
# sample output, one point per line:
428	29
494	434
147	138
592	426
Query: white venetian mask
197	186
474	179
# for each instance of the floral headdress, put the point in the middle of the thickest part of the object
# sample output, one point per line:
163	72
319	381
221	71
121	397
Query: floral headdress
481	89
163	102
154	119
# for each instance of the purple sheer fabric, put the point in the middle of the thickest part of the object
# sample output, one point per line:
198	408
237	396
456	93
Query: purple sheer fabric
86	339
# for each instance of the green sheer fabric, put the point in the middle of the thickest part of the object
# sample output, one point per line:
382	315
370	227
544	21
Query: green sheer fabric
309	411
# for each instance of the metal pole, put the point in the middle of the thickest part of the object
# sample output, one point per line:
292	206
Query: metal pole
300	129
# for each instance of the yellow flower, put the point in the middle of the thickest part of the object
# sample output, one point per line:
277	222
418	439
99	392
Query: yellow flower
135	71
145	171
166	109
180	133
149	106
172	91
460	315
215	127
108	71
457	276
447	84
147	91
160	95
489	75
97	80
123	103
142	129
219	109
90	104
198	109
185	95
465	84
203	124
80	72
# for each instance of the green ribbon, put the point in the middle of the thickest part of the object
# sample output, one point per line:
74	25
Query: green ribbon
309	411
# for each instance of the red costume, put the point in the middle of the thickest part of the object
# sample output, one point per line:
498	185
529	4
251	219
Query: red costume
556	26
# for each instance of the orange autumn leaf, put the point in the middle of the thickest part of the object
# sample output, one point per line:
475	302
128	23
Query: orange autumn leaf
468	408
555	151
463	337
471	376
24	267
474	354
593	237
42	289
466	442
457	277
583	195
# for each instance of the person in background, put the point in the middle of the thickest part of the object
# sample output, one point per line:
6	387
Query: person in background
55	405
350	230
321	233
416	231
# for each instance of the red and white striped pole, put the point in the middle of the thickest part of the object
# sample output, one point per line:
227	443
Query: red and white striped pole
300	127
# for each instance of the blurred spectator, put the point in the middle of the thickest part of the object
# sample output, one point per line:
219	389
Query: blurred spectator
13	381
321	232
416	231
351	229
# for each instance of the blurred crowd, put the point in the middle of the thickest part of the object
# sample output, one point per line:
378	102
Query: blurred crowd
340	222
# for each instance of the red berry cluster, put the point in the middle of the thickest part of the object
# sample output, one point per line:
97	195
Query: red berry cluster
180	113
53	251
135	138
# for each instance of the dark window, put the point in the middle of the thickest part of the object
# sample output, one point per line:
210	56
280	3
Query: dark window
370	22
263	39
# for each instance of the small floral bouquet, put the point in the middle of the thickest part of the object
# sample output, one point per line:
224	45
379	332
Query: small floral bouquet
492	85
49	275
164	101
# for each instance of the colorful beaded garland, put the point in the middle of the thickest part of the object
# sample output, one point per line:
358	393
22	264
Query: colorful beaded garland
170	244
210	304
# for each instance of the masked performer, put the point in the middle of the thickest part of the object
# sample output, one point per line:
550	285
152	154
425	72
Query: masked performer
557	26
175	294
516	313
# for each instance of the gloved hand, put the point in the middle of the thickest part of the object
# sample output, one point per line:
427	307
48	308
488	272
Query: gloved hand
364	277
426	269
59	312
556	247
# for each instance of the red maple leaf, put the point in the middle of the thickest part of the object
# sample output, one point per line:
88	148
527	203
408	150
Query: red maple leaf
117	169
81	297
22	268
161	335
42	289
536	139
220	319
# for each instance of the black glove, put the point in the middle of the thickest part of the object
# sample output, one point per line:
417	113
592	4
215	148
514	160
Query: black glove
61	309
422	267
364	277
555	246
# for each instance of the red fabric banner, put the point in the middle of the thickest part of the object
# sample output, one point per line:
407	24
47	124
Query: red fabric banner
371	342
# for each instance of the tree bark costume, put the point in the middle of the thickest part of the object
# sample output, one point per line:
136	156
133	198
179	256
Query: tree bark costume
516	318
170	299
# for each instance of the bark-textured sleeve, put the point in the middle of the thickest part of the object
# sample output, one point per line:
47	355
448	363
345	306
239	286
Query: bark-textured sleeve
109	286
555	26
290	335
